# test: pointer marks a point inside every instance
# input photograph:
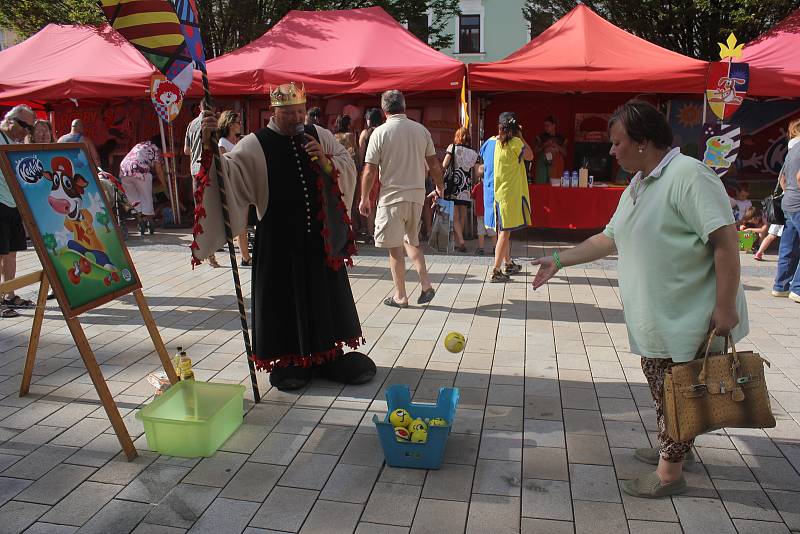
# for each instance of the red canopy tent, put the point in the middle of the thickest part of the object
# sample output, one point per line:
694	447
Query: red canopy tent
774	62
74	62
335	52
583	52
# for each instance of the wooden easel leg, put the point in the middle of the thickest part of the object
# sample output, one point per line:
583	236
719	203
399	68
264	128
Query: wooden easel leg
33	344
144	309
101	387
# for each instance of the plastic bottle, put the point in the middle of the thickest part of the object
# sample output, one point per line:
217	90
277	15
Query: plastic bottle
573	179
186	372
176	360
565	179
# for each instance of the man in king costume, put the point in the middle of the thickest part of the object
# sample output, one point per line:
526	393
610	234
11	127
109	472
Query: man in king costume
301	180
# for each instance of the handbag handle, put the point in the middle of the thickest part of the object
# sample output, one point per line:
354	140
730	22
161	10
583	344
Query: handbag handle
728	339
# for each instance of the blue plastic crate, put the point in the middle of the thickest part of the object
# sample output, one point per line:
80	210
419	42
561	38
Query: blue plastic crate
428	455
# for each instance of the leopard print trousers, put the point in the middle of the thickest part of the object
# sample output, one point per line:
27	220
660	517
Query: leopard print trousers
654	370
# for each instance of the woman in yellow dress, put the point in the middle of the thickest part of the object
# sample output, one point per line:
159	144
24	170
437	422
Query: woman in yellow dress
507	205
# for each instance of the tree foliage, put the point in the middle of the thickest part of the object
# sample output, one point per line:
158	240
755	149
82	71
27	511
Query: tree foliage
691	27
230	24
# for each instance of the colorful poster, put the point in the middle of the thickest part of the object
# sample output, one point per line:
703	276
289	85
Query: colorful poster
721	145
71	224
726	87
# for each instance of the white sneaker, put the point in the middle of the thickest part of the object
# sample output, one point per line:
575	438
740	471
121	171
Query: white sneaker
780	293
794	296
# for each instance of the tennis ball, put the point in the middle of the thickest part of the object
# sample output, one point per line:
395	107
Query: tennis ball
438	421
420	436
402	434
417	424
400	417
454	342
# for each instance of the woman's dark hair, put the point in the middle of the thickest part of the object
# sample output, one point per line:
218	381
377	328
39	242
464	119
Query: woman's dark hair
156	140
374	117
314	112
643	123
753	215
226	119
342	124
509	127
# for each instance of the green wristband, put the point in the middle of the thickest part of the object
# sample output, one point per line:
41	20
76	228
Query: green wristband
557	261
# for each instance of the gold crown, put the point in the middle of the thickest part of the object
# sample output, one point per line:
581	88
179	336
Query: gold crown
287	94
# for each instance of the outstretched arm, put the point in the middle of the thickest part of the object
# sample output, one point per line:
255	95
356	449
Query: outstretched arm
596	247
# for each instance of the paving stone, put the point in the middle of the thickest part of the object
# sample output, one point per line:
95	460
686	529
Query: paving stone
543	433
654	527
579	398
583	422
546	499
391	504
440	517
544	463
80	505
253	482
69	415
626	434
28	440
586	449
350	483
774	473
50	528
754	442
278	449
117	516
400	475
328	439
299	421
539	526
505	395
462	449
153	484
30	415
97	452
82	432
9	487
786	504
501	445
16	516
599	518
309	471
503	418
498	477
724	464
146	528
56	484
450	482
744	526
225	515
363	449
182	506
329	517
285	509
701	516
217	470
121	471
593	483
372	528
246	439
746	500
7	460
468	421
493	513
543	407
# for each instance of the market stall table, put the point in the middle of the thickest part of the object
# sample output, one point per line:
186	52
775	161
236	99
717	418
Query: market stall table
573	207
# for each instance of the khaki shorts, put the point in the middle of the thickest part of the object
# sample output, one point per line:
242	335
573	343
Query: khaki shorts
397	223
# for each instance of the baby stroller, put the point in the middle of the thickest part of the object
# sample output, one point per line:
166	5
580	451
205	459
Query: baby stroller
122	209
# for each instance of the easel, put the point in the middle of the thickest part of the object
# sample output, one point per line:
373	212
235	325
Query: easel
70	311
86	353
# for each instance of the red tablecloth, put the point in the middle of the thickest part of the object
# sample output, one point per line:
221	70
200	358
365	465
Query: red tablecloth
573	207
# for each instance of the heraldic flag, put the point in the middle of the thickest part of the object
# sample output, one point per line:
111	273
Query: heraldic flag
166	32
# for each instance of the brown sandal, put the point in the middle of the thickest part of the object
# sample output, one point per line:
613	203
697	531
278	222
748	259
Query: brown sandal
8	313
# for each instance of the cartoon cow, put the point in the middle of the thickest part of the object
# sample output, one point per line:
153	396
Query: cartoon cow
66	198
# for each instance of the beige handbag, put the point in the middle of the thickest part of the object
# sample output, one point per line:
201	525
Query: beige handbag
717	391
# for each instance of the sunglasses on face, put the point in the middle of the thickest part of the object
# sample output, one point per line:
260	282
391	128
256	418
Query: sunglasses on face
24	124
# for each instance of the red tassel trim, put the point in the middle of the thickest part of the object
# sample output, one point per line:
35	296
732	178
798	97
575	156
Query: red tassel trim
199	211
316	358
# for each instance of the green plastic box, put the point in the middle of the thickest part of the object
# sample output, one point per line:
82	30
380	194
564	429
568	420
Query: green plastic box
193	418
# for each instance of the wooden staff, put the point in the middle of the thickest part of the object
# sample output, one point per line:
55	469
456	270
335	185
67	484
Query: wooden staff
231	252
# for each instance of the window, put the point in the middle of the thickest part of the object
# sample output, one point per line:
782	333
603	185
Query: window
469	34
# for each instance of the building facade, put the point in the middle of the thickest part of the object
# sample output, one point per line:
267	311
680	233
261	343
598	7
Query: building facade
487	30
7	39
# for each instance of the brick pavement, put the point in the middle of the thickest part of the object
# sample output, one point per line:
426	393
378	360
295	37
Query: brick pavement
552	407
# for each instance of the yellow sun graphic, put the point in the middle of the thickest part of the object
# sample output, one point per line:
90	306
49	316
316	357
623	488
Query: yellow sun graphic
690	115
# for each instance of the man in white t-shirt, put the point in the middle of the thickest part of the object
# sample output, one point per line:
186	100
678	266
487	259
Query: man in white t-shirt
401	151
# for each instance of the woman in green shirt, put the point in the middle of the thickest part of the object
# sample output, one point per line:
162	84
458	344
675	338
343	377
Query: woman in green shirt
678	267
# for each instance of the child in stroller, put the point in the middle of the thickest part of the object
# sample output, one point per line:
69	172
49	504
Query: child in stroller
123	210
